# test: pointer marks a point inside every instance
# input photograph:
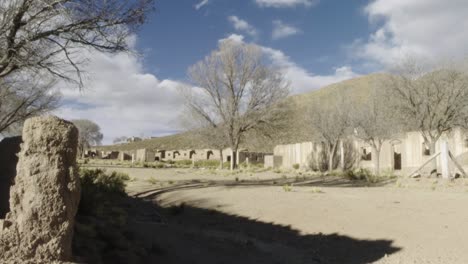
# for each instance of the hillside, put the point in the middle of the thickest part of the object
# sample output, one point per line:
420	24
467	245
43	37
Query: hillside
356	89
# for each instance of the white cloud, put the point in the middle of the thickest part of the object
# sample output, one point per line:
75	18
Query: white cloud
285	3
201	4
432	29
281	30
233	37
301	79
242	25
123	99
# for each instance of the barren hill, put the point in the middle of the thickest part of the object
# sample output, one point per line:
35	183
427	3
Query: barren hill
357	90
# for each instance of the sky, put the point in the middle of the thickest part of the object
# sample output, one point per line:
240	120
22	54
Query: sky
314	43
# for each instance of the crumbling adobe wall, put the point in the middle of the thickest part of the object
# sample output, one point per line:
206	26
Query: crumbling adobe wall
9	148
45	197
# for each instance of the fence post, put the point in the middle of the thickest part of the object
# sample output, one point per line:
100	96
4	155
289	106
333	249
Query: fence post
444	156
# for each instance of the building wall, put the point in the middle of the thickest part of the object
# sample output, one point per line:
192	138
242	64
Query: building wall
298	153
409	145
272	161
144	155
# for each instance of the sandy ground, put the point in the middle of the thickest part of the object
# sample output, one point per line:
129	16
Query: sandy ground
255	219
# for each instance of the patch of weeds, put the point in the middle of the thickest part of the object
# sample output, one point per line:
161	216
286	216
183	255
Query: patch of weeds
171	182
152	180
287	188
101	231
277	171
399	184
296	166
316	190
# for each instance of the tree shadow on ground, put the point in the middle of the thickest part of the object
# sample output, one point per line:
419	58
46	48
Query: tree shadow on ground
197	235
297	181
112	227
190	234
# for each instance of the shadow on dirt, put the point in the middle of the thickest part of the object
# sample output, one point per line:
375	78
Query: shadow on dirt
196	235
187	234
316	181
112	227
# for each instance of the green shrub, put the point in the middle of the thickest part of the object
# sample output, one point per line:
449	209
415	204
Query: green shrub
183	163
98	188
296	166
101	227
152	180
207	163
359	174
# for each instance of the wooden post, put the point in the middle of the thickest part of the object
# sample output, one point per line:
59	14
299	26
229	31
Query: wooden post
425	163
133	158
444	158
460	168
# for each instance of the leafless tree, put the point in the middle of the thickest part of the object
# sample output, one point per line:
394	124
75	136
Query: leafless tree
46	38
432	100
45	35
374	122
89	134
237	91
21	99
329	123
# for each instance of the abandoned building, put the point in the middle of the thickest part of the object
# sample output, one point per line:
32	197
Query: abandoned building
403	154
150	155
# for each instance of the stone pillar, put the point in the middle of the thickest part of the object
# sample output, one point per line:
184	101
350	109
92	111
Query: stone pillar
45	197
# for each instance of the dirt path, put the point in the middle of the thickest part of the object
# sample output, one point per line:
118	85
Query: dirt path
426	226
245	218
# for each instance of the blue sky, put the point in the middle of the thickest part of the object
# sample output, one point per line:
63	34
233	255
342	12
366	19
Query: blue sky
313	42
177	27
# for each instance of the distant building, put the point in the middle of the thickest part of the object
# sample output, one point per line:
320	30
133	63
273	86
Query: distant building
133	139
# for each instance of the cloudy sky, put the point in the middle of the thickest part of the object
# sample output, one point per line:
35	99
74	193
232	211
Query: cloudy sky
315	43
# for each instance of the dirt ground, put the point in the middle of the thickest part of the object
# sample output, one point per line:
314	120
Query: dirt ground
287	217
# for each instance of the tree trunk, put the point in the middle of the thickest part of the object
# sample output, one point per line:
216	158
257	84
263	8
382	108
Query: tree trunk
331	156
376	159
433	164
234	159
342	155
221	163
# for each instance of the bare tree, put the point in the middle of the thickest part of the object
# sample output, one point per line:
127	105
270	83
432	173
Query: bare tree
237	92
329	122
432	100
45	35
21	99
89	134
374	122
46	38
